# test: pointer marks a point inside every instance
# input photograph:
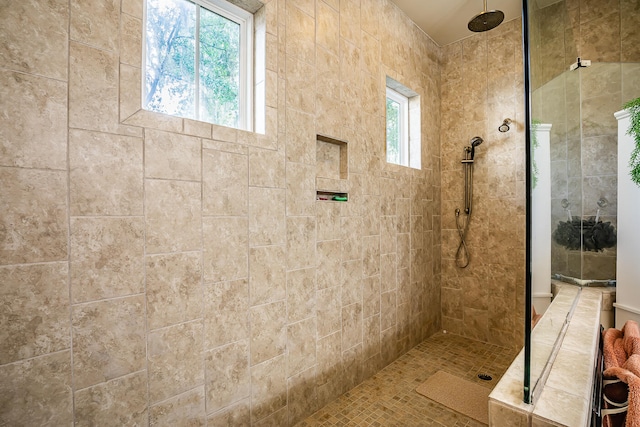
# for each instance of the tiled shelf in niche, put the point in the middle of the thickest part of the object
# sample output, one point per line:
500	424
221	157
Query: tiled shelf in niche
332	196
332	169
332	158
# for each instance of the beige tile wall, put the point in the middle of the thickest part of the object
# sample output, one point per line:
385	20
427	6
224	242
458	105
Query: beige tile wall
482	84
166	271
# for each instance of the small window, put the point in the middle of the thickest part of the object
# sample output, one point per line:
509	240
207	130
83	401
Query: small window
397	128
198	61
403	125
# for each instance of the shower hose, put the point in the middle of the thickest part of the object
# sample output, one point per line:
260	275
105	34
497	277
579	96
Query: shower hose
462	254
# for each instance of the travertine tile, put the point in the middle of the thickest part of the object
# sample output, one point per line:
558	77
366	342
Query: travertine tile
186	409
301	346
197	128
300	36
175	360
301	189
388	274
329	357
35	315
302	399
268	332
352	364
351	238
107	257
329	263
133	8
329	310
38	42
226	313
629	35
371	339
268	387
130	91
371	255
267	276
95	23
121	345
350	12
121	401
33	130
173	215
170	155
301	237
226	252
300	136
300	82
370	296
266	216
388	230
37	391
351	326
328	221
328	27
228	376
234	415
93	88
131	41
600	38
301	294
33	216
266	168
351	282
174	289
225	178
105	174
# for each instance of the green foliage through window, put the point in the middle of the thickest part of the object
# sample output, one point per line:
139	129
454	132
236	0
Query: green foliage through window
207	89
634	130
393	131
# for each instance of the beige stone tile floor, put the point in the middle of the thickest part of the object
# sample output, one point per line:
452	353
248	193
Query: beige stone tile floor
389	397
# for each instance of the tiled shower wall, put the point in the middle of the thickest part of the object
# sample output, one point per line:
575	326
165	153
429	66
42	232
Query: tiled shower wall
482	84
161	270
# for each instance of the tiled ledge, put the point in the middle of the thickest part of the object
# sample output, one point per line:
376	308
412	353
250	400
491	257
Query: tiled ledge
564	399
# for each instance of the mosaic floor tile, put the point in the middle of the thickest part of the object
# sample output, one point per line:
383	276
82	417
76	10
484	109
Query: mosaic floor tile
389	398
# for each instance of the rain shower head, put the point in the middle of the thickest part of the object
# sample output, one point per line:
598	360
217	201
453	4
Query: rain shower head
485	21
504	127
475	141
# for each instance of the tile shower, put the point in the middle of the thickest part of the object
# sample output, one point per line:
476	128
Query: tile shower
166	271
179	272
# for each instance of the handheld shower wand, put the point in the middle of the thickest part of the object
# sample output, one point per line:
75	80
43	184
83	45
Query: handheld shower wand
462	254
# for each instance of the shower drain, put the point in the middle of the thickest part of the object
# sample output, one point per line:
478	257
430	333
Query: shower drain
485	377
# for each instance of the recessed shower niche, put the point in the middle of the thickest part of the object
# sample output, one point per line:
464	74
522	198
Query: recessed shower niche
332	169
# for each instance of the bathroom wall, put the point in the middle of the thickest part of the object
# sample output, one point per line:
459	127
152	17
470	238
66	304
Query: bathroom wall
580	105
163	270
482	84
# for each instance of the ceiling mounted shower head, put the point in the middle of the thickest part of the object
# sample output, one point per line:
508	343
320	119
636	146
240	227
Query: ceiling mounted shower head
485	21
504	127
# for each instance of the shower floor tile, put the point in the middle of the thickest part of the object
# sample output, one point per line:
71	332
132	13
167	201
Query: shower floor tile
389	397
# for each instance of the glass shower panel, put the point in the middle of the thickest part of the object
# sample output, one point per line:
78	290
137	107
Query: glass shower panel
576	84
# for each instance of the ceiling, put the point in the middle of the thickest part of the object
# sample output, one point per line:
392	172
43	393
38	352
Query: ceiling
445	21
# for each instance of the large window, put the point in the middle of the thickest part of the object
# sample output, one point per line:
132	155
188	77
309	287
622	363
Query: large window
403	125
198	61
